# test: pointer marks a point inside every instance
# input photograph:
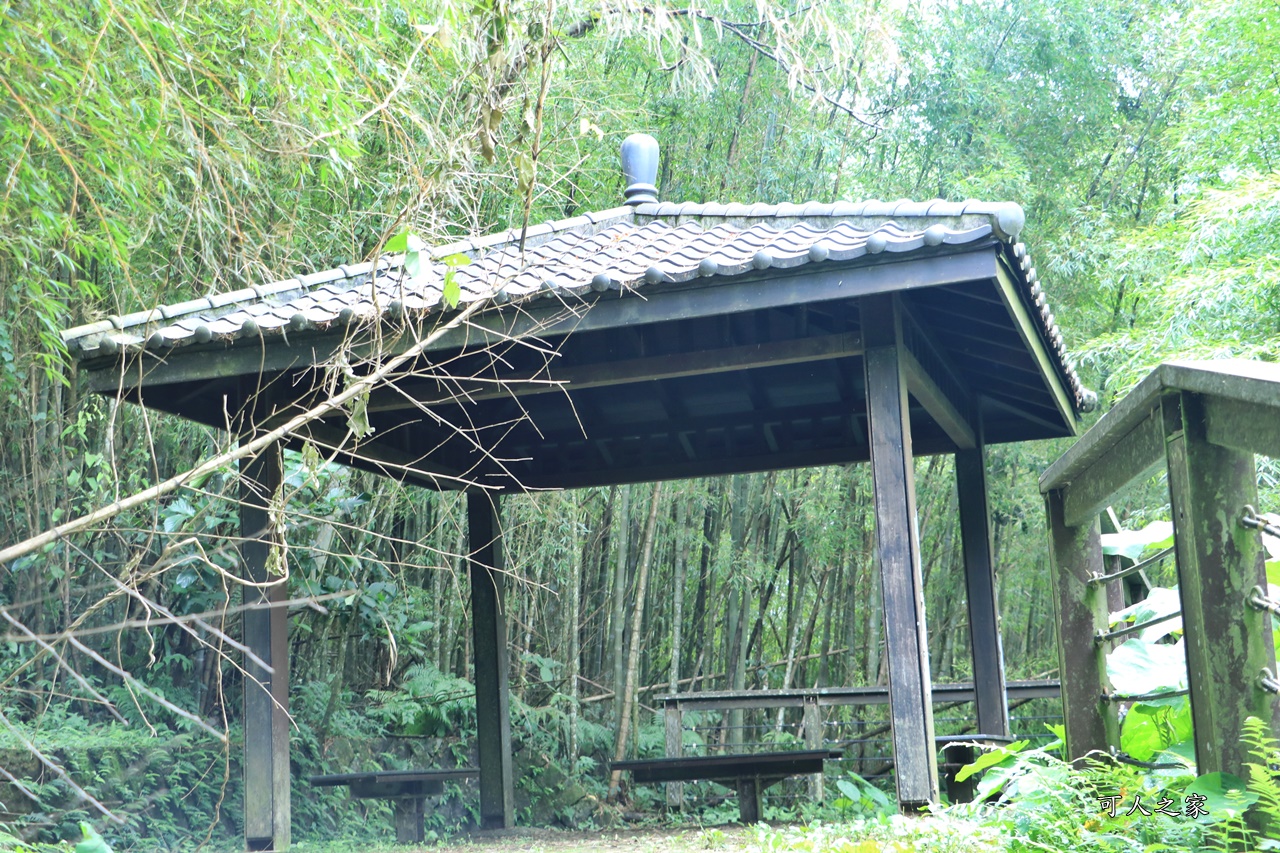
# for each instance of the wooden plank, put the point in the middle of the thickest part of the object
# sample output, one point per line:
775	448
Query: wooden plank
1134	455
489	634
980	589
1121	419
1081	608
1243	425
332	779
266	691
1028	330
555	379
725	768
898	551
1219	561
1232	379
774	289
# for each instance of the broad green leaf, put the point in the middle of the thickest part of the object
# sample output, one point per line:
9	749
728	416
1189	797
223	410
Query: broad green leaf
1159	602
1137	666
1150	728
1134	543
398	243
1225	795
991	759
452	291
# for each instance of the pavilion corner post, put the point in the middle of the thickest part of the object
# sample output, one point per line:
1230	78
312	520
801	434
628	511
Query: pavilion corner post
898	550
1081	607
980	587
1220	561
266	691
489	626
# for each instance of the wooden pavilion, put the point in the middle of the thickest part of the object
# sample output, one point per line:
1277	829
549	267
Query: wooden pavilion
651	341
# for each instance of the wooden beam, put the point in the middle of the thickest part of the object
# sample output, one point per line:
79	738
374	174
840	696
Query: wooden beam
653	304
1081	608
898	551
1029	330
266	691
933	382
581	376
927	393
1219	562
372	454
489	634
1242	425
980	589
712	466
1128	458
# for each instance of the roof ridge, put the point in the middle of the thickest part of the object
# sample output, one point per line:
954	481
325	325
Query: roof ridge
1007	218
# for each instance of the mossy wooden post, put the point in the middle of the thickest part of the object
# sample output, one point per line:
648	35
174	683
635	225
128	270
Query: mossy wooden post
980	588
1081	608
673	720
489	630
1228	643
898	551
812	725
266	691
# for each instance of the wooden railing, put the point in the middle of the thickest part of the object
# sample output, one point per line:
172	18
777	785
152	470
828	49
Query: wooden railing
1203	422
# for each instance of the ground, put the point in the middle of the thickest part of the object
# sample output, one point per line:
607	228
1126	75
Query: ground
728	839
897	834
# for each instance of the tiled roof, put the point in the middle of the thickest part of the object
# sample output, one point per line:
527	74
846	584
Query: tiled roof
621	249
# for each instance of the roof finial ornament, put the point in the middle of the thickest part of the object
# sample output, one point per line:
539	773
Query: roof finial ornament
640	168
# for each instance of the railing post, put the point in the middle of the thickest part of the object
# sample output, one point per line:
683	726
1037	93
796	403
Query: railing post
813	740
1081	608
1219	562
673	719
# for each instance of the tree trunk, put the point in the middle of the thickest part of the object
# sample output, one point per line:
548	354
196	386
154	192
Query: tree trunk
677	604
633	655
617	625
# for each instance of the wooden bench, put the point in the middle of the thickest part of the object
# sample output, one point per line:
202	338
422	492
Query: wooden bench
750	773
407	789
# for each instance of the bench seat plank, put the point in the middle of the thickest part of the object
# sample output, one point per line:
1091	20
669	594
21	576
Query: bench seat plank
730	768
407	789
749	773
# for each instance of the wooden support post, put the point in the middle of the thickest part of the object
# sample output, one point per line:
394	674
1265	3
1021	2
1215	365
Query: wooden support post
410	815
1228	642
750	800
1081	608
489	631
266	691
673	720
898	551
980	588
813	740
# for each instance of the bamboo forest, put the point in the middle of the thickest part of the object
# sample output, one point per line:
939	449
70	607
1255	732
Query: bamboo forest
880	456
